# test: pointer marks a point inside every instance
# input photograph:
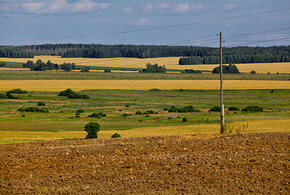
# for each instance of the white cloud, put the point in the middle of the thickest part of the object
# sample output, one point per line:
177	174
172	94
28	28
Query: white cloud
163	5
62	6
186	7
148	8
171	7
128	9
142	22
230	6
33	7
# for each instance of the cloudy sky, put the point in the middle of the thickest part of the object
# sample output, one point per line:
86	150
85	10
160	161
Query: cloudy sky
170	22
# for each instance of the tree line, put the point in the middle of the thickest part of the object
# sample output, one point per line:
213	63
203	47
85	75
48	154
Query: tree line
193	55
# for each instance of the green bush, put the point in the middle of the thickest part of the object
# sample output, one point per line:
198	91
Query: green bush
41	104
98	115
184	119
116	135
107	70
73	95
153	69
230	69
253	72
138	113
80	111
17	91
232	108
252	109
215	109
182	110
66	92
149	112
126	114
32	109
92	128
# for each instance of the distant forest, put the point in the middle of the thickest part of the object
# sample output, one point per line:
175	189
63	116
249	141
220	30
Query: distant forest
192	55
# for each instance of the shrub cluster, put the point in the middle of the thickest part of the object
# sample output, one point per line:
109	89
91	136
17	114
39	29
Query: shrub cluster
154	68
40	104
230	69
146	112
126	114
17	91
73	95
78	112
215	109
107	70
252	109
182	110
191	71
32	109
97	115
232	108
41	66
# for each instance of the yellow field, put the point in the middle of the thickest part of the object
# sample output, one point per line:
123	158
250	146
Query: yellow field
169	62
254	126
57	85
14	68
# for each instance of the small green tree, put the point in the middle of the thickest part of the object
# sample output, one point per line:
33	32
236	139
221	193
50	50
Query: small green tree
116	135
92	128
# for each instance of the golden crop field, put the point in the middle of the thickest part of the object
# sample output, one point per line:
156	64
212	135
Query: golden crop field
57	85
169	62
254	126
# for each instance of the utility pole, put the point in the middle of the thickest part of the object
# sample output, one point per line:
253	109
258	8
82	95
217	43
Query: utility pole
221	87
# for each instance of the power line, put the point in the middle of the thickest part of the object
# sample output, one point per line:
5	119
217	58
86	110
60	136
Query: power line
261	41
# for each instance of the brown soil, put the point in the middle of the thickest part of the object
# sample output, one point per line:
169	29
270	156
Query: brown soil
256	164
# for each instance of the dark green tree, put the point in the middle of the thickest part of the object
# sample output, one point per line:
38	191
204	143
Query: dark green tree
92	129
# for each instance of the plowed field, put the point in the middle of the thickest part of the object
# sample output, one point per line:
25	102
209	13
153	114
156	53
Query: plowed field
256	164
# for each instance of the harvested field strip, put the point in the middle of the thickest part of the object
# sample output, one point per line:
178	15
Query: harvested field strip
57	85
254	126
169	62
247	164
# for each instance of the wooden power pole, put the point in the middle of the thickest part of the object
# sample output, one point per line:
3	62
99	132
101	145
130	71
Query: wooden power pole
221	87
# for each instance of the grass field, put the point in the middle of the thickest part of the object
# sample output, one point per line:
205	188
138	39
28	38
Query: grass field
128	75
57	85
254	126
169	62
60	122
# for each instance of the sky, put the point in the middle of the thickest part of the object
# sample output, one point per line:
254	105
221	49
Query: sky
145	22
